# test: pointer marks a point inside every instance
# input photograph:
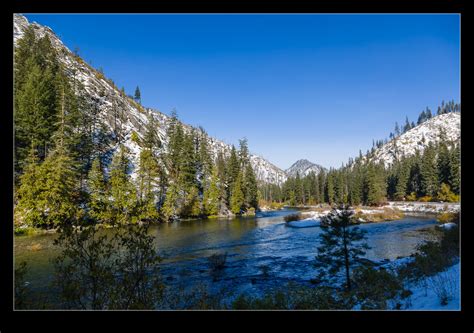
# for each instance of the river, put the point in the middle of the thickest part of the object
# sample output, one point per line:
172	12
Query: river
258	245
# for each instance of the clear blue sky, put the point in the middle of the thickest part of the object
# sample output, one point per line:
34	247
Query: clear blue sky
319	87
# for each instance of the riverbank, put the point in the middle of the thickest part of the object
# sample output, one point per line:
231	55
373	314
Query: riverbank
392	211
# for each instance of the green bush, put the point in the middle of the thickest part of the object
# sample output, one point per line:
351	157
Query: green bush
374	288
448	217
445	194
433	256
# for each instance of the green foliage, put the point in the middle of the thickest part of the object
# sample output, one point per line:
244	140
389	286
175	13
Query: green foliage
98	194
170	208
433	256
250	188
341	244
237	199
211	196
48	192
445	194
134	137
118	271
21	288
148	182
448	217
122	191
374	288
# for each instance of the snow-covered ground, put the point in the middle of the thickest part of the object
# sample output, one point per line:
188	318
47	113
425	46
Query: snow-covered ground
427	294
425	207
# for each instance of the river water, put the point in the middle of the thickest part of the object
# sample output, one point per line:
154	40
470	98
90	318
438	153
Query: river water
262	251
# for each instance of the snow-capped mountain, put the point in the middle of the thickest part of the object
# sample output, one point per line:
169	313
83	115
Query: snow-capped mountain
119	111
421	136
303	167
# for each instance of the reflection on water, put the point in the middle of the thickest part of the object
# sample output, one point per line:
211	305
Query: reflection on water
251	243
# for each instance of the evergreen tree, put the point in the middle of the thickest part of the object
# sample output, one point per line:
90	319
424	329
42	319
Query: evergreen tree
341	246
421	118
250	188
137	95
148	184
376	187
98	194
122	191
455	169
211	196
397	129
237	196
170	208
330	195
402	180
428	172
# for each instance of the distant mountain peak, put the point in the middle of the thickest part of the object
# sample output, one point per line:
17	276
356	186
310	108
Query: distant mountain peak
303	167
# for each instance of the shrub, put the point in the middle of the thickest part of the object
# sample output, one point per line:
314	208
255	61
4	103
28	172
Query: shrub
433	257
426	198
134	137
411	197
445	194
375	288
448	217
294	296
445	285
293	217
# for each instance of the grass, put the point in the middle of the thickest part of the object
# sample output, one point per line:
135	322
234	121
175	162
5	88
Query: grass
386	214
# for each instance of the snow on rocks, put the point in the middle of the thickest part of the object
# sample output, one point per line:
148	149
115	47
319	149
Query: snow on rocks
447	226
420	136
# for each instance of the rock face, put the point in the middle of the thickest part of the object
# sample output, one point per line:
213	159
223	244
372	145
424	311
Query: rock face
303	167
117	111
421	136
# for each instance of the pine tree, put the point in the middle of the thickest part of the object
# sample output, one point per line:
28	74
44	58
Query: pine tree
428	171
402	174
122	191
137	95
421	118
27	210
98	195
204	167
455	172
375	185
211	196
330	195
250	188
237	196
407	125
341	246
148	183
170	208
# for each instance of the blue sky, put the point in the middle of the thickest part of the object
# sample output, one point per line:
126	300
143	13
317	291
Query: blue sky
319	87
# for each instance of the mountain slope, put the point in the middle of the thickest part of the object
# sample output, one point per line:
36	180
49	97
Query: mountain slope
421	136
303	167
122	114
